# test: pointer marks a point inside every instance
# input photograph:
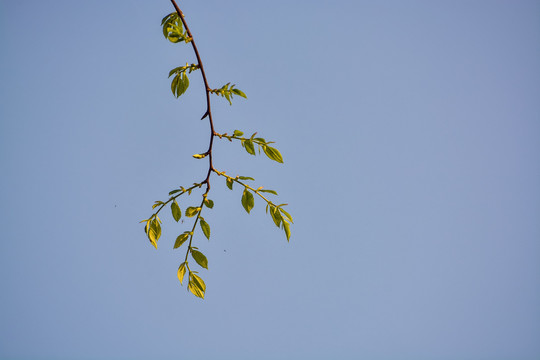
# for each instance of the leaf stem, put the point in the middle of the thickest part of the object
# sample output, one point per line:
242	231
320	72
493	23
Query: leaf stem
208	112
174	197
222	173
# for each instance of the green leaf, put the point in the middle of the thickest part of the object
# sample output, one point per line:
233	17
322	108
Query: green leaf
146	226
174	191
286	214
276	216
273	153
245	178
180	84
238	133
172	28
174	85
176	212
286	228
229	182
268	191
184	84
196	285
248	144
227	95
247	200
157	203
200	258
205	228
209	203
154	232
181	272
181	239
239	93
192	211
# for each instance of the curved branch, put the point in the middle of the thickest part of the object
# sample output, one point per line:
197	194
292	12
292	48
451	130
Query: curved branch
208	112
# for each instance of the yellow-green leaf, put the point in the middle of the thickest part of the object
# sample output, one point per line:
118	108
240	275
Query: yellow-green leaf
181	272
181	239
286	214
268	191
192	211
196	285
200	258
273	153
209	203
205	228
248	144
154	232
176	212
276	216
239	93
229	183
286	228
247	200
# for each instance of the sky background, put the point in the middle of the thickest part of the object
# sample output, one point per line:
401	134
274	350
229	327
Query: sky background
411	137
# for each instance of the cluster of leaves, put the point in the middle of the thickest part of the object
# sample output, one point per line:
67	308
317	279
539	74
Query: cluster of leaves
228	92
180	82
282	219
249	144
173	29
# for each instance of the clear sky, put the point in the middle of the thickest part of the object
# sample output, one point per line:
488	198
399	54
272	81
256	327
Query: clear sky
411	137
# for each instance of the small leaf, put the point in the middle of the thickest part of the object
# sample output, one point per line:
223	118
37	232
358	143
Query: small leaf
183	84
229	182
192	211
286	214
248	144
173	71
181	239
174	85
181	272
269	191
146	226
247	200
276	216
227	95
176	212
239	93
174	191
286	228
273	153
200	258
209	203
245	178
196	285
157	203
199	156
154	232
205	228
238	133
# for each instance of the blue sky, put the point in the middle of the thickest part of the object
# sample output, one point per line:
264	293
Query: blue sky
411	137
